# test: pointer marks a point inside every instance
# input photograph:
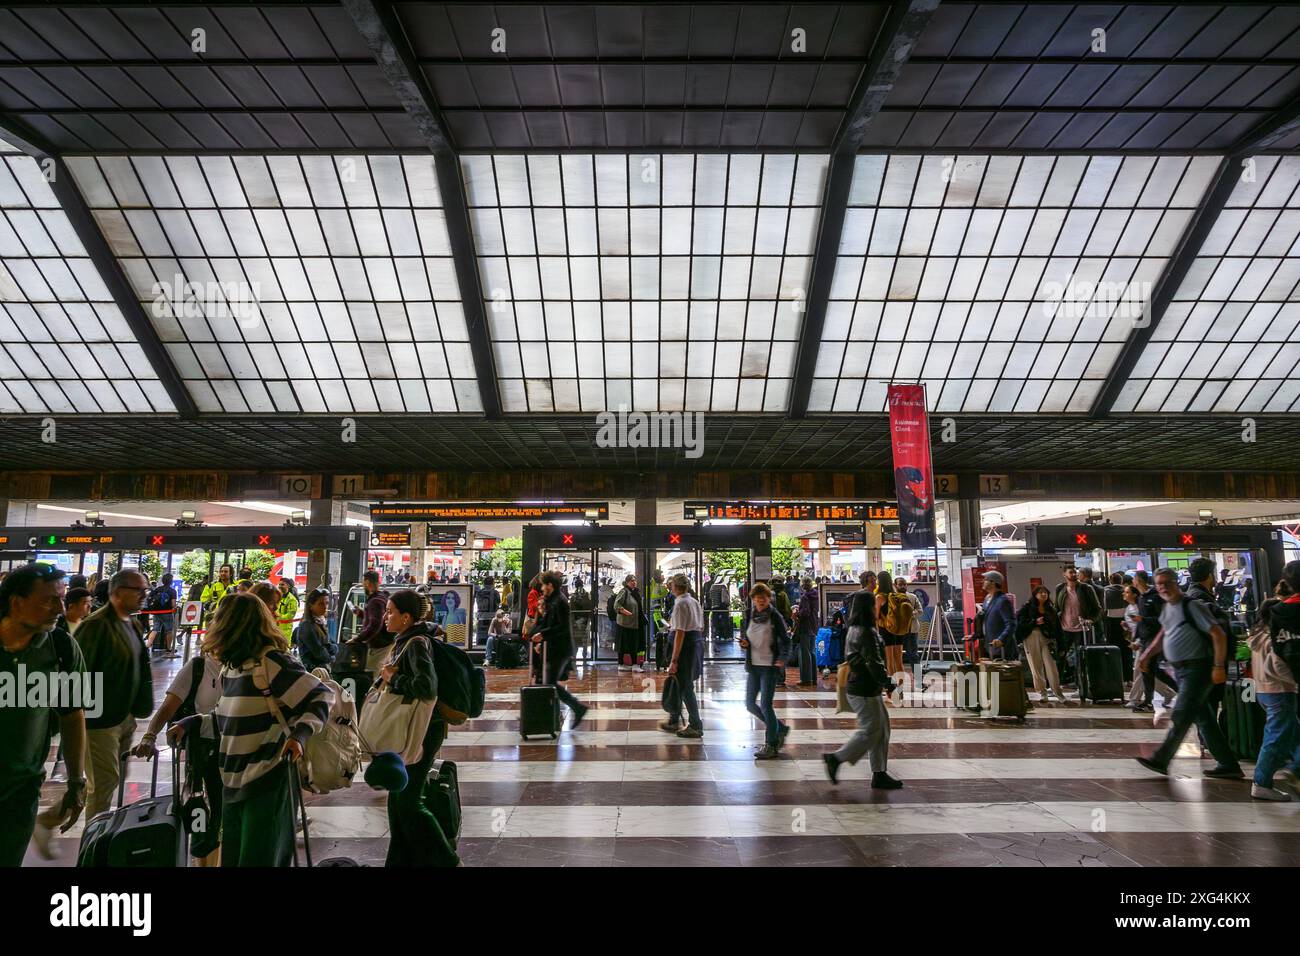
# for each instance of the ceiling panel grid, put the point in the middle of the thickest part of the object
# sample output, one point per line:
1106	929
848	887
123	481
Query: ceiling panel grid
1229	341
292	283
64	344
1003	283
651	282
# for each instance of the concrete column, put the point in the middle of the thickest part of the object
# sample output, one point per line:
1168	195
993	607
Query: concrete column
645	511
419	551
325	511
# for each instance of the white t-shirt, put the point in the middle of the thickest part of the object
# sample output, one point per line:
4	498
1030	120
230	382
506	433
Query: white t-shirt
687	615
760	641
209	691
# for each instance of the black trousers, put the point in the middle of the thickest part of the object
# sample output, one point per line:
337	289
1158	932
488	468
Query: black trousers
415	837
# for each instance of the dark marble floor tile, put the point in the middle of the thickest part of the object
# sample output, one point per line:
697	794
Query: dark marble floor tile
652	793
538	851
861	792
673	851
770	792
798	851
975	790
921	849
1050	849
493	793
1178	790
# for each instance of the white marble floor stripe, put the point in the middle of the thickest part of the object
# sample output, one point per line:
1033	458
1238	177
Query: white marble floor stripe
1187	769
523	822
740	733
516	822
1068	712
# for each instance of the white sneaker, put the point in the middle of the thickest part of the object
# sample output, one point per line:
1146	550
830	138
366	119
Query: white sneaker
41	836
1268	793
623	667
638	669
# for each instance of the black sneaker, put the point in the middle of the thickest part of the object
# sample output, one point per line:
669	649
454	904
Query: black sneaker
782	734
1153	766
579	712
885	781
1222	772
832	766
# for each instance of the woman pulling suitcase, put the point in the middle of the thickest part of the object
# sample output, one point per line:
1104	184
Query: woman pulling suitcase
269	708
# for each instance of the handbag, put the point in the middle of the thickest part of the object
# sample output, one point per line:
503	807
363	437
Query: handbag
671	700
390	721
842	688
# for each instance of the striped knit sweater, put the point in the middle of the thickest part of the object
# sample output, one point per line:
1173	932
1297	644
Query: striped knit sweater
251	737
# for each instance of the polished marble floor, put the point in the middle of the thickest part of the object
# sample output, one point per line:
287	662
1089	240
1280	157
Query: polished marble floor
1060	790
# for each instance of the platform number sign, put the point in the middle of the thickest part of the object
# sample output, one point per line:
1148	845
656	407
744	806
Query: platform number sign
995	484
295	486
344	485
945	486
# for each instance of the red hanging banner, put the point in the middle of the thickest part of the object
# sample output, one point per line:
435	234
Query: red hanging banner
909	428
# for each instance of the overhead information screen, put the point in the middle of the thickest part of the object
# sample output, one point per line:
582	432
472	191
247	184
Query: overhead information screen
792	511
391	537
482	510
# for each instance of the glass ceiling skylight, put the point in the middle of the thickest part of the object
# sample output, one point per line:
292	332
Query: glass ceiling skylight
292	283
1003	283
651	282
1229	340
64	345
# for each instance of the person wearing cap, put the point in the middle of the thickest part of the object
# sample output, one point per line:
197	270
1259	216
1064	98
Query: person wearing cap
999	618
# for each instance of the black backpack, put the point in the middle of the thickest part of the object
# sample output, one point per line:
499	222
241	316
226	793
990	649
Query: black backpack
611	612
187	707
156	601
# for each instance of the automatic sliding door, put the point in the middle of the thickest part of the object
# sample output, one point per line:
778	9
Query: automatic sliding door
724	574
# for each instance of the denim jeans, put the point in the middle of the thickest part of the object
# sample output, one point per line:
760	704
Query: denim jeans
1192	706
760	686
807	658
1281	746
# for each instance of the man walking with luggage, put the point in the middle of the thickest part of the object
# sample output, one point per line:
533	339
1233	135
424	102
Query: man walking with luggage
29	606
687	627
1078	607
1197	647
112	642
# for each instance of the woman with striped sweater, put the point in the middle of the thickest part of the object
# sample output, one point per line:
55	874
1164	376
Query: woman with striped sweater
269	707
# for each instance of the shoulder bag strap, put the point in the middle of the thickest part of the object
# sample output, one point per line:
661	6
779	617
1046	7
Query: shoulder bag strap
264	685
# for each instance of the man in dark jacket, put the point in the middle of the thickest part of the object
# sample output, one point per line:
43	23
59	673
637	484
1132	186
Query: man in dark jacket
112	643
807	619
1079	609
1113	607
373	633
1149	606
999	619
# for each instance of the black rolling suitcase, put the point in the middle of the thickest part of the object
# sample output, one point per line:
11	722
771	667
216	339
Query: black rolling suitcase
539	707
509	652
663	649
1101	670
147	833
442	797
1245	720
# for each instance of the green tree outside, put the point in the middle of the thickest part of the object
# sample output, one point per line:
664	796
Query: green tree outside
258	564
193	566
507	556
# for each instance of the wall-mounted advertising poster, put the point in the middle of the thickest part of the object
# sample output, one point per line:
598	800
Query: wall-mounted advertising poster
451	605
